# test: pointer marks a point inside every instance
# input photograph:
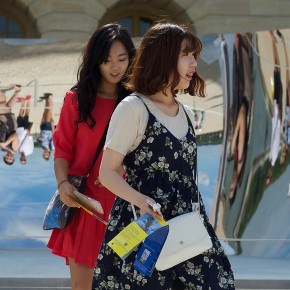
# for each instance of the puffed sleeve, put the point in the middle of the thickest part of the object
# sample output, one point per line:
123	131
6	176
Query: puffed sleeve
64	136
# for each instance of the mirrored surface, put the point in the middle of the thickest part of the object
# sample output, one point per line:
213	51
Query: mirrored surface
253	202
26	191
45	65
244	181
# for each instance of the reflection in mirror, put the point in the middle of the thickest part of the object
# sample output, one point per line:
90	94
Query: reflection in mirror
244	181
26	190
252	203
36	76
43	71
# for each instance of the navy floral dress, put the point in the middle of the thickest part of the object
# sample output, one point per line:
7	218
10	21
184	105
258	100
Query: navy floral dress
162	167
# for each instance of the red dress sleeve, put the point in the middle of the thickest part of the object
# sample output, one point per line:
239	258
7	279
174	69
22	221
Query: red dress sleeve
64	136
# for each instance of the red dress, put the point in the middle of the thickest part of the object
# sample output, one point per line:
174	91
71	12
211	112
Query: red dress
81	239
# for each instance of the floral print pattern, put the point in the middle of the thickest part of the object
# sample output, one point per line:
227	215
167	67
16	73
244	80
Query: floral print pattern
162	167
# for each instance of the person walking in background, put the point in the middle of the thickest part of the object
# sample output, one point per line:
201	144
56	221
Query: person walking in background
20	141
152	135
8	123
47	127
11	146
86	111
26	143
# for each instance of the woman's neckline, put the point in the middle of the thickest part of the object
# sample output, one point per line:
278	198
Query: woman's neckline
160	111
106	99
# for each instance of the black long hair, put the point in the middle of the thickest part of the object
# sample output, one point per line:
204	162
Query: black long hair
95	53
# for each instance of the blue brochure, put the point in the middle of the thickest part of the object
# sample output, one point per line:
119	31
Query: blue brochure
150	251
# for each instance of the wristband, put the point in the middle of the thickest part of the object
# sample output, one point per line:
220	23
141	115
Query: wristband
61	183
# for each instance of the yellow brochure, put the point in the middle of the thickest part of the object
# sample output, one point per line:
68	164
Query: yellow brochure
132	235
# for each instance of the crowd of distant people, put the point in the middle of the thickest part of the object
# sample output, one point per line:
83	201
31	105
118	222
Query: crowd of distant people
15	132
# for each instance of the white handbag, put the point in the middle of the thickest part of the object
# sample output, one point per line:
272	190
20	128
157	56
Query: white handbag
186	239
187	236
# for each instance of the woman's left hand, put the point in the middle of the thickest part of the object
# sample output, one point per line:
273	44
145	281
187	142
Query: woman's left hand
145	208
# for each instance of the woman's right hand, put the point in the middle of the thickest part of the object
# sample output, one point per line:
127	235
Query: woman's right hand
65	190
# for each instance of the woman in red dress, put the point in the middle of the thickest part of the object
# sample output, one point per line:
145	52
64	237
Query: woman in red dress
86	111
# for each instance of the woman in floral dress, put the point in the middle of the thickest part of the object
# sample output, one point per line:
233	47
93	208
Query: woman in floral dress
151	136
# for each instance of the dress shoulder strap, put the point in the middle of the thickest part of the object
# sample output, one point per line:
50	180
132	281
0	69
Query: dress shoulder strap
182	106
136	95
187	117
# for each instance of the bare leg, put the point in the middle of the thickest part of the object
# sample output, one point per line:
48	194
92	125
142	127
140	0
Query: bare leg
21	111
81	276
27	111
27	108
47	114
47	118
13	99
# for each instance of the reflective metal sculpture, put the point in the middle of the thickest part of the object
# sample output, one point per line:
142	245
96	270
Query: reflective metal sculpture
253	197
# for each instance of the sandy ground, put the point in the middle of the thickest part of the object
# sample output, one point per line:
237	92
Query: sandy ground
51	66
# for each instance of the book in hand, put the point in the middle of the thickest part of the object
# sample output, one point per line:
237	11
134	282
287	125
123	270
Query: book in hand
89	205
133	234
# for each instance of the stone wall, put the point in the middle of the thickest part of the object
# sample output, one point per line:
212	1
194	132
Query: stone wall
74	19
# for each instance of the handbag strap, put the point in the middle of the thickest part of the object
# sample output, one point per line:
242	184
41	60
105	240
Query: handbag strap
102	141
194	205
99	149
19	147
